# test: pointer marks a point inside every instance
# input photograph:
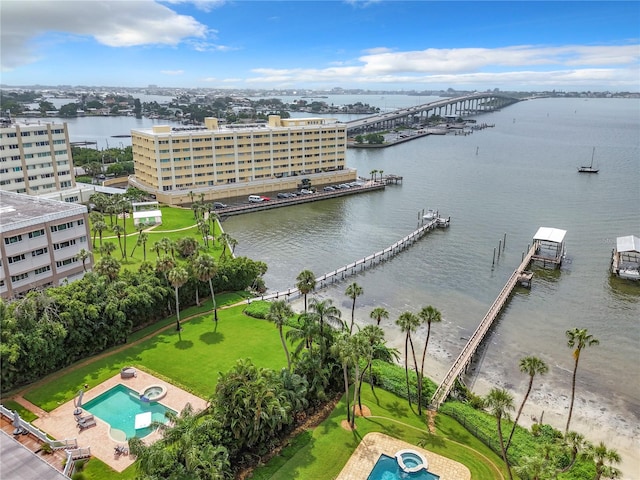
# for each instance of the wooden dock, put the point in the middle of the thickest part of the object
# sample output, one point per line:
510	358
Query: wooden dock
466	355
363	263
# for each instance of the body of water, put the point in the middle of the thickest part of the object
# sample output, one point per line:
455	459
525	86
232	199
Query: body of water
513	178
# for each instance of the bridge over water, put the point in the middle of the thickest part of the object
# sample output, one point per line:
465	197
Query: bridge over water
472	104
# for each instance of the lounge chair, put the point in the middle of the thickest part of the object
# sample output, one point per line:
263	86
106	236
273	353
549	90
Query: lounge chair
86	418
121	450
127	372
86	422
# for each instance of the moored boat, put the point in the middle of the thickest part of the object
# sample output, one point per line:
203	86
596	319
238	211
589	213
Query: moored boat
625	258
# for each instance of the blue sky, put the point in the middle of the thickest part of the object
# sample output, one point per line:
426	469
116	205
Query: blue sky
390	45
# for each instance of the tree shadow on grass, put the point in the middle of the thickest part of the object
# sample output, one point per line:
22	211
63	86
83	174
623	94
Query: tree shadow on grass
211	338
183	344
428	440
397	409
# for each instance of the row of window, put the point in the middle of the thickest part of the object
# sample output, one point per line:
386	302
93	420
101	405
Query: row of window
39	232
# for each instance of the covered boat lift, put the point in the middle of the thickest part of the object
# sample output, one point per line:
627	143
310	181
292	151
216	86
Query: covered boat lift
625	259
549	246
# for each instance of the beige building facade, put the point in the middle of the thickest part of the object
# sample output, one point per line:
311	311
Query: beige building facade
221	162
39	241
35	158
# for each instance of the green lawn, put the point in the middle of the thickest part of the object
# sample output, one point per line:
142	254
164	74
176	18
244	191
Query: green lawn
321	455
191	360
173	218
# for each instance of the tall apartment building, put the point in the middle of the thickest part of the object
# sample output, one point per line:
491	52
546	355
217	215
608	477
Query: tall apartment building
236	160
39	242
35	158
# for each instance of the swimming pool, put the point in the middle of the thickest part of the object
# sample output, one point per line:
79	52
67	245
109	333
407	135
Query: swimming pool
387	468
119	406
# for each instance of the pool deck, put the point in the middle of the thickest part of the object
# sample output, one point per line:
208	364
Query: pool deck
61	424
375	444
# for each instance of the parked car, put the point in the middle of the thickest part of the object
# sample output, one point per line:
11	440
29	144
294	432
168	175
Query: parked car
304	191
217	205
265	199
328	189
255	199
283	195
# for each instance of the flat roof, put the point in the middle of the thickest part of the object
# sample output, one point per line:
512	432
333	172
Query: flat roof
547	234
630	243
18	210
20	463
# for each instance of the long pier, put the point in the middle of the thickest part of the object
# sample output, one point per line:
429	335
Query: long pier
520	274
363	263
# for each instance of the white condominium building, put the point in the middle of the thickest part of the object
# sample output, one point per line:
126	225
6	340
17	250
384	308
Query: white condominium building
35	158
39	241
236	160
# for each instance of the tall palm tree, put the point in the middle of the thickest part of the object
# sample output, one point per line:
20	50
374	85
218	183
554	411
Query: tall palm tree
343	350
353	291
306	282
500	403
124	207
578	339
178	276
604	459
164	264
279	312
117	229
83	255
380	172
373	174
108	266
378	314
206	269
306	332
575	443
107	249
532	366
427	315
99	227
408	322
326	312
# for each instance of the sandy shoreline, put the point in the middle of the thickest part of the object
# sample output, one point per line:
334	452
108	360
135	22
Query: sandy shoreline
597	418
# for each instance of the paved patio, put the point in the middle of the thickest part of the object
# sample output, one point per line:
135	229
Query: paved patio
61	424
375	444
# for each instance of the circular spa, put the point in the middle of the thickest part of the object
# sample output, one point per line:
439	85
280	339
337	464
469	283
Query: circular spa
411	461
153	393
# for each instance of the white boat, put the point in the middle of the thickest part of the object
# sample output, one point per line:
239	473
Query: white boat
625	258
430	215
590	168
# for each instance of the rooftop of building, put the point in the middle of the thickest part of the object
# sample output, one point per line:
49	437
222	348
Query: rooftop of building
26	123
18	210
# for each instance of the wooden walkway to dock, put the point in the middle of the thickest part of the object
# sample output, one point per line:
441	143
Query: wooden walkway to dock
363	263
466	355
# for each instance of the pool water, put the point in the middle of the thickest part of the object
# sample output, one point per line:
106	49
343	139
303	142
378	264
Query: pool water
119	406
387	468
411	460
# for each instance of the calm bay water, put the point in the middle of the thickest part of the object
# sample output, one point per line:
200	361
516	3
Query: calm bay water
511	179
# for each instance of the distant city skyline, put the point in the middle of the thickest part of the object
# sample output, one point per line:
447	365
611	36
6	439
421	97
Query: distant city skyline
372	45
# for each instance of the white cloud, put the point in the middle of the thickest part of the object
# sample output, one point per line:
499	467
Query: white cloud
516	65
111	23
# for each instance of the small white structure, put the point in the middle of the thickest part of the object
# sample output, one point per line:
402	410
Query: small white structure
625	260
146	213
550	247
142	420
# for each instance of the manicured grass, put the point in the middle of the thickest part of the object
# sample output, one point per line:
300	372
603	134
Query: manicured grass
192	359
323	453
26	415
173	218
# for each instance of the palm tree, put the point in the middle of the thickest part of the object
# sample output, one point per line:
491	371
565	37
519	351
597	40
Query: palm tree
343	350
306	282
83	255
117	229
206	269
578	339
99	227
427	315
604	460
378	314
178	276
326	311
107	249
164	264
530	366
380	172
124	206
408	322
225	239
373	174
500	402
108	266
353	291
142	239
575	443
306	332
279	312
